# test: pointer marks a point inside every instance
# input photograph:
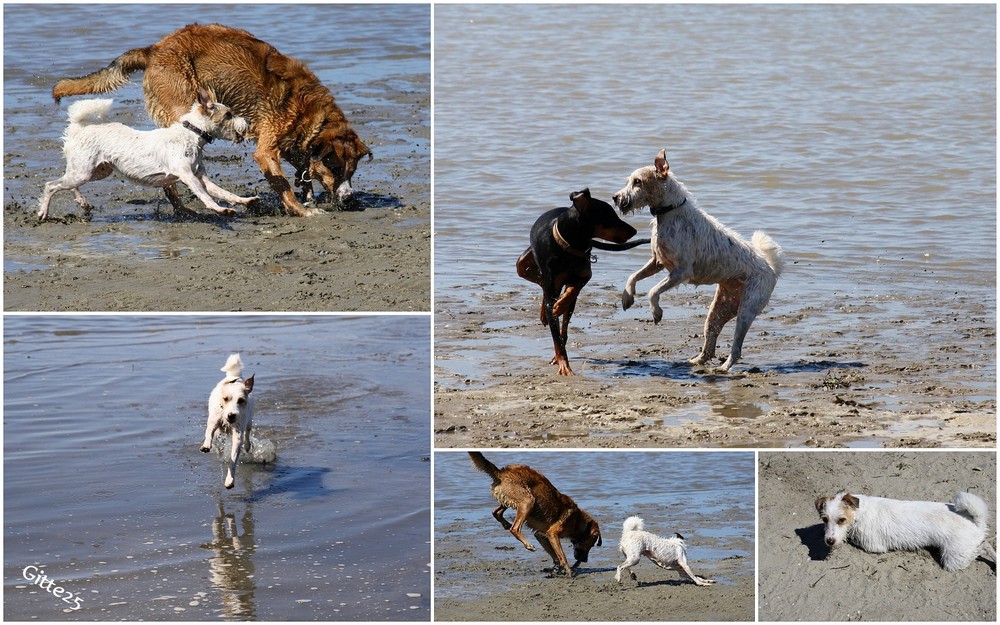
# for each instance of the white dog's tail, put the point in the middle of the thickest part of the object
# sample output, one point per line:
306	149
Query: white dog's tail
633	524
89	111
234	366
770	250
973	507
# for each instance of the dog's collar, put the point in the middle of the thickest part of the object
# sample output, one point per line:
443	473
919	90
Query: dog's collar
563	243
198	131
663	210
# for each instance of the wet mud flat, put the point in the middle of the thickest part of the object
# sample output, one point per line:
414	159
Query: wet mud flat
523	592
890	379
132	254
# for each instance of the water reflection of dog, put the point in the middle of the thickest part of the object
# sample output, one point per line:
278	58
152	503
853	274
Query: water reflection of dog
232	568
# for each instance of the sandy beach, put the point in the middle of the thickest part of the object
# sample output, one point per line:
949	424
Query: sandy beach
799	581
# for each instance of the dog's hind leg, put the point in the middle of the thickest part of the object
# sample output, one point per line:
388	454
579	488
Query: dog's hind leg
628	294
756	293
724	307
76	176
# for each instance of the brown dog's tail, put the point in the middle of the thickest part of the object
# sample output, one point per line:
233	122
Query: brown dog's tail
618	247
104	80
480	462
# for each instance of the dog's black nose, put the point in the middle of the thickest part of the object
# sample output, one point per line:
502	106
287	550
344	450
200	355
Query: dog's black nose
830	541
231	418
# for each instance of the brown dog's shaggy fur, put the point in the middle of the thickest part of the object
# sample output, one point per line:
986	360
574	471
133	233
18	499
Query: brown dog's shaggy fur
291	115
543	508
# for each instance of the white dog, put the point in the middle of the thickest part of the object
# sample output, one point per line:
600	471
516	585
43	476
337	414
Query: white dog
697	249
877	525
158	158
230	410
666	553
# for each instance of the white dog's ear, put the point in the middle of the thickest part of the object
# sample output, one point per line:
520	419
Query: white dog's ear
661	164
851	501
248	384
821	503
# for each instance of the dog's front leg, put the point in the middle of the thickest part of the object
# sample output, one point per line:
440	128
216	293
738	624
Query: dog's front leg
174	198
213	426
194	182
628	295
677	276
267	157
234	456
221	194
550	543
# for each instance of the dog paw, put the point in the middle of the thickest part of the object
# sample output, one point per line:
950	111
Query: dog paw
206	449
657	315
627	300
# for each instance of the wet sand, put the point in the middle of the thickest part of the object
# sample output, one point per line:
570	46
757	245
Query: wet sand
132	254
594	595
796	385
799	581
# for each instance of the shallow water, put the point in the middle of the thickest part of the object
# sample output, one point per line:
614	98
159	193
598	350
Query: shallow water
367	55
712	506
861	138
105	490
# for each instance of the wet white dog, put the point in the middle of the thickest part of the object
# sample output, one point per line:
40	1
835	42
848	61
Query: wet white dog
878	525
666	553
95	147
230	411
696	249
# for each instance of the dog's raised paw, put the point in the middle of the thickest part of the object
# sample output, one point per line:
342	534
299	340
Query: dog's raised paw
206	449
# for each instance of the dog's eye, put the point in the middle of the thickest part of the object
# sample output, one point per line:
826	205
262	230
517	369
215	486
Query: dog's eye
825	519
841	521
241	401
636	182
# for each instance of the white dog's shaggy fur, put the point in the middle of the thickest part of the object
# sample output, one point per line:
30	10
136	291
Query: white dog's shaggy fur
230	410
878	525
95	147
697	249
666	553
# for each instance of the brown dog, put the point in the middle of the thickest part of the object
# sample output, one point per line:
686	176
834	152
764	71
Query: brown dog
291	115
543	508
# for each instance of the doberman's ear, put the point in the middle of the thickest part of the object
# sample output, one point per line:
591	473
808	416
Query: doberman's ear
580	199
661	164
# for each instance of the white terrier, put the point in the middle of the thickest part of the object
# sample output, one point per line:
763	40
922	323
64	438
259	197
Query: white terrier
95	147
666	553
878	525
696	249
230	410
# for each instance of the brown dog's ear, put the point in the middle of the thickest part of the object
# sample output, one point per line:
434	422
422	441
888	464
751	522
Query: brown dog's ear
661	164
248	384
851	501
821	503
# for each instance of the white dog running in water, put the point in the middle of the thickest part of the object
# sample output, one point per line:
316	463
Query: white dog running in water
666	553
230	410
95	147
697	249
878	525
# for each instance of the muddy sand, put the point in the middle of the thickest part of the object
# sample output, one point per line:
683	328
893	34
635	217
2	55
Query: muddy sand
876	385
594	595
529	594
799	581
132	254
